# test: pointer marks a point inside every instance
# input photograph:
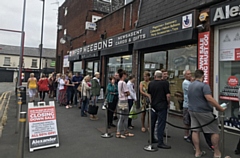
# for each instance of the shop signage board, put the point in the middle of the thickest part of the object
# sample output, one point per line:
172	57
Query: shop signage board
164	27
225	12
204	54
65	61
43	131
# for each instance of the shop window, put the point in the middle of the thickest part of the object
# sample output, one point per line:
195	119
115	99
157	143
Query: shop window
89	68
229	74
115	63
7	61
175	61
77	67
180	59
34	63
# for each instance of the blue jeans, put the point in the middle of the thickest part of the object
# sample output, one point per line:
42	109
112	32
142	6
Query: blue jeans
69	96
161	116
76	92
84	106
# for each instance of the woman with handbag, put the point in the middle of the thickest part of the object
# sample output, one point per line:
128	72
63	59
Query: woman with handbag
123	93
131	98
85	95
112	99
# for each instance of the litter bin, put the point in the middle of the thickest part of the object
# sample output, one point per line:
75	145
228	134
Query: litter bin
23	91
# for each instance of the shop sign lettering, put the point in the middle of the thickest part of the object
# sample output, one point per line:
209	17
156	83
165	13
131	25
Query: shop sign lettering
229	12
204	54
130	37
225	13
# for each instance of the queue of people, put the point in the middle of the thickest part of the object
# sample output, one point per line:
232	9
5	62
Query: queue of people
121	96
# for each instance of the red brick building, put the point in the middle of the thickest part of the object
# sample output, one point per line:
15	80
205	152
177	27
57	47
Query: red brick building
151	35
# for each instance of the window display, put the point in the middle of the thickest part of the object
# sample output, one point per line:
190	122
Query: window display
89	68
175	61
115	63
77	67
229	74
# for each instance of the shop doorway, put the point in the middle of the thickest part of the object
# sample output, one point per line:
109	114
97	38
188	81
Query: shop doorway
91	67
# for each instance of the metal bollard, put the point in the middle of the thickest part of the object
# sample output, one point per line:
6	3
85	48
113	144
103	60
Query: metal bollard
22	121
222	133
106	134
150	147
19	109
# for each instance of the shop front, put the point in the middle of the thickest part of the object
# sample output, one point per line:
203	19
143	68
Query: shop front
91	63
225	20
116	58
75	61
172	45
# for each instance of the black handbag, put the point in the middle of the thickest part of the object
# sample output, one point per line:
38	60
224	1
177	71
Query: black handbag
93	109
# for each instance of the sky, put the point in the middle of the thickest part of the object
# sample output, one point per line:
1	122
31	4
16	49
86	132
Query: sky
11	13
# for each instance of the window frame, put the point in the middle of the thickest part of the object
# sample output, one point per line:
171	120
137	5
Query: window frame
33	65
5	61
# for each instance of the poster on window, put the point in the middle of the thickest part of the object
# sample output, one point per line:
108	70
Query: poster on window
65	61
42	126
229	44
204	54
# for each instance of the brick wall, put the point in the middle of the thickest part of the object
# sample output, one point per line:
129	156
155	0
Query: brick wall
78	14
155	10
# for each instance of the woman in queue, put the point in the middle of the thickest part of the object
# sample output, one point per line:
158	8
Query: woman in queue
112	99
86	87
70	90
143	87
43	87
32	86
123	93
131	98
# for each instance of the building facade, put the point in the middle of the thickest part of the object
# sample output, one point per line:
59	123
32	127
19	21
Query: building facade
173	35
9	62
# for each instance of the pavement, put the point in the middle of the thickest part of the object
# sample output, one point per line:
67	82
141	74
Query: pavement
81	138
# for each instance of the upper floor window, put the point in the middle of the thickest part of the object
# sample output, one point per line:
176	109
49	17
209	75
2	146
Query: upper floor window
7	61
65	11
128	1
34	63
108	1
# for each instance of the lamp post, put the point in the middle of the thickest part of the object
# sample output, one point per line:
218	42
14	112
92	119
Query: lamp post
22	46
41	44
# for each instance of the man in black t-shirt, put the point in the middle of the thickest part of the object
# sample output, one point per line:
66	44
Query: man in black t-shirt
160	101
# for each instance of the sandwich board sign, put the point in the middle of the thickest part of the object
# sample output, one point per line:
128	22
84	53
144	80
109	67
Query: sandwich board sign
42	126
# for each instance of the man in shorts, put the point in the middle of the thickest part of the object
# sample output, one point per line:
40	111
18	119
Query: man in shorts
201	112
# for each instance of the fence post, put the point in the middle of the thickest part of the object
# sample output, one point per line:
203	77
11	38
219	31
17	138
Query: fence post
22	121
106	134
150	147
19	109
222	133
